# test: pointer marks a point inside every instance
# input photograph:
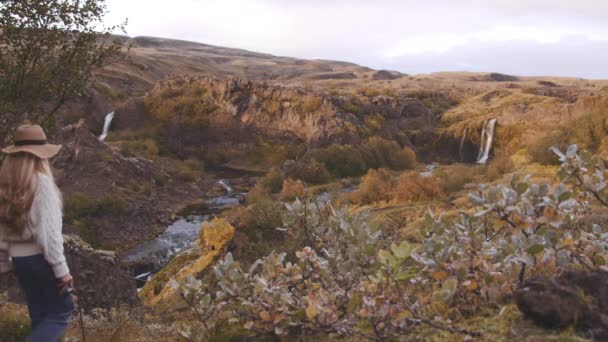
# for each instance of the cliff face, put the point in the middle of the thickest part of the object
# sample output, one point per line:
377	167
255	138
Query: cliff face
232	114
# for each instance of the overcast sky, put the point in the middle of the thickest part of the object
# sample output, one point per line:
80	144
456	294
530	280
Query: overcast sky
522	37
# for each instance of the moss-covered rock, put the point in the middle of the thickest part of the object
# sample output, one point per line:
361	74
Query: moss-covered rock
214	238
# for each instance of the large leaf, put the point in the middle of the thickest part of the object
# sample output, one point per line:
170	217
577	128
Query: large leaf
536	249
572	149
402	251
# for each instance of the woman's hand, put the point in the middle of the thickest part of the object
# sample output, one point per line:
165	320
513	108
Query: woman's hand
65	282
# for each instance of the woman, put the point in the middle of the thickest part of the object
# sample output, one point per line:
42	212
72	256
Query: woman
31	243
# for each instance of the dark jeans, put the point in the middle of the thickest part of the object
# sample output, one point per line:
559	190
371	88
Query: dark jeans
49	310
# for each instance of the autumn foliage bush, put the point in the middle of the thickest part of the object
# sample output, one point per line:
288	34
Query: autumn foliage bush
376	186
292	189
455	177
381	186
412	187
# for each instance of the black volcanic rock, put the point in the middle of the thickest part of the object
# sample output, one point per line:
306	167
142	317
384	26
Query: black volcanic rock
576	298
387	75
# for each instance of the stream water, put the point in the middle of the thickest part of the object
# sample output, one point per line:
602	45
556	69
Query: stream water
150	256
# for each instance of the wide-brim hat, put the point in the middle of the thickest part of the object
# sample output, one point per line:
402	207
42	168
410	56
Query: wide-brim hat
31	139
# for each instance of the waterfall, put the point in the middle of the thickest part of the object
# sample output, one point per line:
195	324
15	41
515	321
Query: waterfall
224	183
464	136
106	126
487	137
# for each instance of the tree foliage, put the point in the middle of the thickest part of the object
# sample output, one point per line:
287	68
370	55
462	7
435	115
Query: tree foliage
50	51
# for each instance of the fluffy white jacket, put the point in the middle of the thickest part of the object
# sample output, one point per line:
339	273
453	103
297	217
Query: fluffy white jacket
43	235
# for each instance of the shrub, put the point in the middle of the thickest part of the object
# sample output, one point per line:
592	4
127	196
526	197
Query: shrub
188	170
378	152
273	180
271	106
79	205
455	177
266	213
257	193
82	210
292	190
499	165
539	150
376	186
311	171
265	153
14	321
342	160
369	92
350	107
146	148
412	187
372	124
184	104
311	104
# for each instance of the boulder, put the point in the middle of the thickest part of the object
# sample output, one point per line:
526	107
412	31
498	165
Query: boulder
387	75
575	298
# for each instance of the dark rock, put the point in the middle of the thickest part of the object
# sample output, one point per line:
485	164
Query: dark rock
387	75
495	77
548	84
96	109
576	298
131	115
334	76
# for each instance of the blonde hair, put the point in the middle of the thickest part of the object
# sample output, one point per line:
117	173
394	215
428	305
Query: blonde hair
18	184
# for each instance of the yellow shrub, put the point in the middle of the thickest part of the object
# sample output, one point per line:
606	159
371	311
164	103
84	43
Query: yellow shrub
369	92
146	148
376	186
311	104
292	190
189	170
271	106
455	177
500	165
413	187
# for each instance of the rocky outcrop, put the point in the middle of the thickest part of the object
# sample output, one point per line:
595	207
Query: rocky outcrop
245	110
111	200
576	298
496	77
387	75
131	115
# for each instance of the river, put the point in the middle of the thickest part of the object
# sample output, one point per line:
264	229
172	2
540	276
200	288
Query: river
150	256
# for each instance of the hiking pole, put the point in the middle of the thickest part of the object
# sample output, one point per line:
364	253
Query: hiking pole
79	308
84	338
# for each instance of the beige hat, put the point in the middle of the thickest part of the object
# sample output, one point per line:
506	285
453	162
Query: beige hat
31	139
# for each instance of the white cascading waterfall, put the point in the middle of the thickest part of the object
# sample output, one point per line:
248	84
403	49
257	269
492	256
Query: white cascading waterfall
226	186
106	126
460	150
487	138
